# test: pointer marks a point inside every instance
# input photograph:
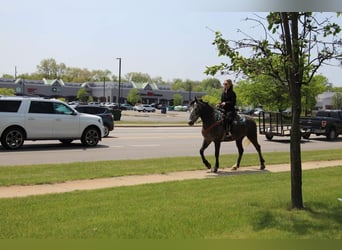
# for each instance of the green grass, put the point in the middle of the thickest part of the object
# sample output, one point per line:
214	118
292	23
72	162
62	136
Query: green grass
53	173
229	207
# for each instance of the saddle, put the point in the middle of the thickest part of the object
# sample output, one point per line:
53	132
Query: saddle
235	120
221	115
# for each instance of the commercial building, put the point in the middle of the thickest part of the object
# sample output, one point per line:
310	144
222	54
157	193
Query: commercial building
100	91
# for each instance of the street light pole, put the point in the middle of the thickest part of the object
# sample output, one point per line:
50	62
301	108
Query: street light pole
104	89
119	58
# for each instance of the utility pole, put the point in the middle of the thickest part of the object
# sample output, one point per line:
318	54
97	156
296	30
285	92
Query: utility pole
104	89
119	94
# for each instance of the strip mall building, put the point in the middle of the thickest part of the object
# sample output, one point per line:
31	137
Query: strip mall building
100	91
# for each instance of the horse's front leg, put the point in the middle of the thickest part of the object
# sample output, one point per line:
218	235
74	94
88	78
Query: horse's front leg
240	149
205	144
217	155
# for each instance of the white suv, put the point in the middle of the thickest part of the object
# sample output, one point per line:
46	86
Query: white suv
145	108
32	118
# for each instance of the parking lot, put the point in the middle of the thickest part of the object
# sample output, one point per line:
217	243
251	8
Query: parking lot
170	116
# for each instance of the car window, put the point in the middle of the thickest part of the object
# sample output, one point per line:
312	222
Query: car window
41	107
92	110
9	105
80	109
322	113
62	109
334	114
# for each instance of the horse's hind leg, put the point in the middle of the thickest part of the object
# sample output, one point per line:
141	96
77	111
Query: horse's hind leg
254	141
217	155
238	143
205	144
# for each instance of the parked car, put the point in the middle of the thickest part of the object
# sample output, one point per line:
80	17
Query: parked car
181	108
111	105
126	106
103	112
257	111
144	108
32	118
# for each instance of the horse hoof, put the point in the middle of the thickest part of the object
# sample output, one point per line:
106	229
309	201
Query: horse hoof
234	168
214	170
262	167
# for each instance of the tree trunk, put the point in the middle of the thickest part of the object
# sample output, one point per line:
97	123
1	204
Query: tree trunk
294	75
295	150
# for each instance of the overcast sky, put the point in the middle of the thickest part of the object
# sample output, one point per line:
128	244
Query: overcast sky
170	39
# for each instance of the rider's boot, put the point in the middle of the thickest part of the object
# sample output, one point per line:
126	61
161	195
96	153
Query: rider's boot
228	133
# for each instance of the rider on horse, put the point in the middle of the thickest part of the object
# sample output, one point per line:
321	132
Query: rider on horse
228	102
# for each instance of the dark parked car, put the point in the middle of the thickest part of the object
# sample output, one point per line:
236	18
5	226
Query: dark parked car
103	112
126	106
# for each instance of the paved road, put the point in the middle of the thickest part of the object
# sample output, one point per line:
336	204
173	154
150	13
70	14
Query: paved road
139	143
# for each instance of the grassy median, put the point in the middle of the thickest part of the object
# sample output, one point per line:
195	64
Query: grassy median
54	173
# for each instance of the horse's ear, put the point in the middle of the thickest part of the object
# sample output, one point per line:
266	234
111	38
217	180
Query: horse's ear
194	101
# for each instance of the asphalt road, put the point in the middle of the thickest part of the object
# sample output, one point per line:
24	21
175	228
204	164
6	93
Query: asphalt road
143	142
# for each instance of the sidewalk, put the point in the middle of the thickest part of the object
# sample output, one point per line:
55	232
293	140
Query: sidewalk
23	191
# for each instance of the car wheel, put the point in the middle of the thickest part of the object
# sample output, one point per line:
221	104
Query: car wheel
331	135
91	137
106	131
269	136
66	141
13	138
306	135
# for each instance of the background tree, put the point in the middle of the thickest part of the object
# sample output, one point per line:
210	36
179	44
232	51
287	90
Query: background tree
208	84
7	92
78	75
294	47
138	77
7	76
134	97
337	100
211	99
262	91
82	95
336	89
318	85
177	99
158	80
50	69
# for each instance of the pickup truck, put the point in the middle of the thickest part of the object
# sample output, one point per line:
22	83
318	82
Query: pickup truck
326	122
32	118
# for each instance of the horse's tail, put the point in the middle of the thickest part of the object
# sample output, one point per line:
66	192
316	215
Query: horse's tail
246	142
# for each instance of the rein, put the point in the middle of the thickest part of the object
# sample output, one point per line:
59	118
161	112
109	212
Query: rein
207	130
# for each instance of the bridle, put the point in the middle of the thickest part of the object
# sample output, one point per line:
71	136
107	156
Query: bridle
196	113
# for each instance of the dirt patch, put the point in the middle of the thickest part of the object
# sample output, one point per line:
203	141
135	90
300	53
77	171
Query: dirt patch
22	191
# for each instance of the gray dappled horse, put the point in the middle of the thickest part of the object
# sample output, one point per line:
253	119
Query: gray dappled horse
213	130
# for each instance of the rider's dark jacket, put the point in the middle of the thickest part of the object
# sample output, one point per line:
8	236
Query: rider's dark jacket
229	97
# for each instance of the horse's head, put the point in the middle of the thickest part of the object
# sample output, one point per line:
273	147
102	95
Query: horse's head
197	109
